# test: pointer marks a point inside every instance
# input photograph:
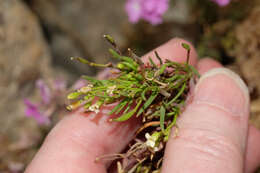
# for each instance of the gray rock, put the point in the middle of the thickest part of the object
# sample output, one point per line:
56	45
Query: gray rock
24	57
76	28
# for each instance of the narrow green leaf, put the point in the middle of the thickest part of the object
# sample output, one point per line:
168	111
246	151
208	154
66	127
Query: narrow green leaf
173	78
175	119
82	60
143	94
177	95
119	57
128	114
110	39
162	69
105	82
152	62
139	77
128	106
162	117
158	57
155	114
148	102
128	59
185	46
121	104
168	129
130	65
171	114
114	54
91	79
87	105
195	71
74	95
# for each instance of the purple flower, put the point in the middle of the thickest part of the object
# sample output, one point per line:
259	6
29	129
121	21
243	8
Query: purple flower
149	10
44	91
32	110
222	2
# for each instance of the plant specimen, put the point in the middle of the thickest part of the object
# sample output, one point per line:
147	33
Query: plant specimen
155	93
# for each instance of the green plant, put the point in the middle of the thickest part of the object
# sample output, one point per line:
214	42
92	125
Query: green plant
157	93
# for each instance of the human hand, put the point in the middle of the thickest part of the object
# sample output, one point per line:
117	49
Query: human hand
213	130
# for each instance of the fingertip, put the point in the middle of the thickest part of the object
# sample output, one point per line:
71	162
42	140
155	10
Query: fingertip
207	64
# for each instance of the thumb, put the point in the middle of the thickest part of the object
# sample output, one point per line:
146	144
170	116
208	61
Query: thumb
213	128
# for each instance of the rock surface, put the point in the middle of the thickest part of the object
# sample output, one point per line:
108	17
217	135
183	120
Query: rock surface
247	53
24	57
75	28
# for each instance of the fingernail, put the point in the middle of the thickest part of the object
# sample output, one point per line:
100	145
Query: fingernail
222	88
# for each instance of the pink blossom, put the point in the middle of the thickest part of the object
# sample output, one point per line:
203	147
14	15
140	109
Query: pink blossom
44	91
33	111
149	10
222	2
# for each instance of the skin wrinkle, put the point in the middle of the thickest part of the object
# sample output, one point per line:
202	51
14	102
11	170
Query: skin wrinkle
79	137
208	147
190	100
228	74
197	108
224	93
67	155
74	155
219	107
208	142
84	139
224	111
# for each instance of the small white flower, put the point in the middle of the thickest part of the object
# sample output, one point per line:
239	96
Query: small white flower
94	108
150	142
111	89
155	149
86	89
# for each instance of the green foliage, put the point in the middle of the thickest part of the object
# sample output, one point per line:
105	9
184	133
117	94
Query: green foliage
154	92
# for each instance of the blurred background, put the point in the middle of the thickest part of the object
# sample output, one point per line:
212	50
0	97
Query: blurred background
38	37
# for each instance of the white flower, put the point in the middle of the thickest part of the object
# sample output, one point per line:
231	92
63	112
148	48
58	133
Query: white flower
94	108
111	89
86	89
151	141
